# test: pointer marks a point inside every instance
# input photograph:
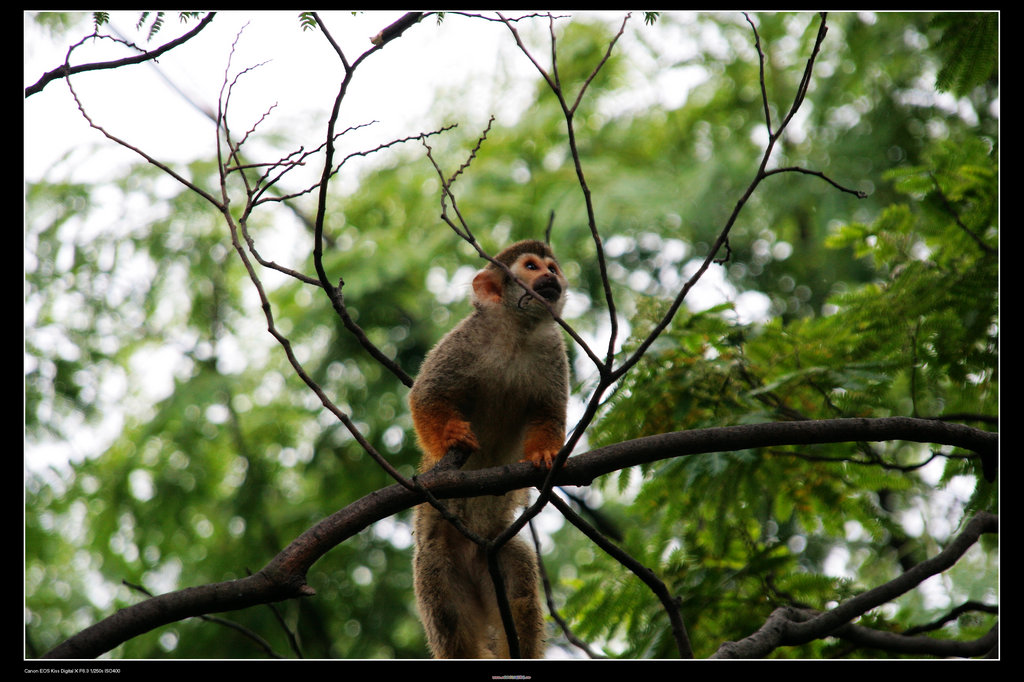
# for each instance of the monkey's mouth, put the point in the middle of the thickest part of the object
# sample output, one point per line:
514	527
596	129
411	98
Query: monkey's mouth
549	289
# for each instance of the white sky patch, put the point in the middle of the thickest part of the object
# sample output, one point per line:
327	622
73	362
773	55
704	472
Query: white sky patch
714	288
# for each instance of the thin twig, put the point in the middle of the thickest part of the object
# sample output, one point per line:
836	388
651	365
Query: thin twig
797	169
760	64
263	644
162	166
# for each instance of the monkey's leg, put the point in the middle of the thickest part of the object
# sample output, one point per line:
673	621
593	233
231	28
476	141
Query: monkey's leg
447	596
518	564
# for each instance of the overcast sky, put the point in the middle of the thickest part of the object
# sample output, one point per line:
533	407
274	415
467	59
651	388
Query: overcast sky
298	72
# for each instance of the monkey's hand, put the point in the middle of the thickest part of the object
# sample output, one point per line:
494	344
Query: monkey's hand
457	435
543	441
542	458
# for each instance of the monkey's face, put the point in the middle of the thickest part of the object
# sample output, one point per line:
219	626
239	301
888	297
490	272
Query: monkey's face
542	274
532	263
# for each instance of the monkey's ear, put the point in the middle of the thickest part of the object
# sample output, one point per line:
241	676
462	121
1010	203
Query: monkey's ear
487	286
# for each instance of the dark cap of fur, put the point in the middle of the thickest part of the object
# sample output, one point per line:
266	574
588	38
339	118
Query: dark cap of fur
510	254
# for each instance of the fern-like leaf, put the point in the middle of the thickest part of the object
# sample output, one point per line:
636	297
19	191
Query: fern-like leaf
970	45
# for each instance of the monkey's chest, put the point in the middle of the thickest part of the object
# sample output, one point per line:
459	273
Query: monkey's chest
498	412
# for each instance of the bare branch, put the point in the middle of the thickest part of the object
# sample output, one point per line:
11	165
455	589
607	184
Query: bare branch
797	169
761	174
549	597
334	293
790	626
239	232
604	60
67	70
760	64
472	153
568	112
297	366
162	166
462	229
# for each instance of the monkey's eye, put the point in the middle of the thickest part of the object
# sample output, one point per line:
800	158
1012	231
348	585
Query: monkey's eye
531	265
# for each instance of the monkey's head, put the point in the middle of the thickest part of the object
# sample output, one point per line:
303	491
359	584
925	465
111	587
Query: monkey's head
533	263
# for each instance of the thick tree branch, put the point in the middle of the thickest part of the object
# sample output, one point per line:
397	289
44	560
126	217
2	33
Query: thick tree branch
285	576
919	645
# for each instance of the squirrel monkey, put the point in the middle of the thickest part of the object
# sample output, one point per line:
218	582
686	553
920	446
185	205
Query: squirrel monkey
495	387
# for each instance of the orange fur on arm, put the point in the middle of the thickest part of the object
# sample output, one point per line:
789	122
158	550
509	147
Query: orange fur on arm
440	427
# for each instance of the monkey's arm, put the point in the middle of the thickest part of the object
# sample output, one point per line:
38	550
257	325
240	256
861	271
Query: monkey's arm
545	425
440	427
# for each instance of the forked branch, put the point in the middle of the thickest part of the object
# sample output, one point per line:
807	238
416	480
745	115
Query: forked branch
789	626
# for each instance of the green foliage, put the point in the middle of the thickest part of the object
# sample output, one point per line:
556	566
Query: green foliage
970	50
920	338
154	27
307	21
154	20
885	306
